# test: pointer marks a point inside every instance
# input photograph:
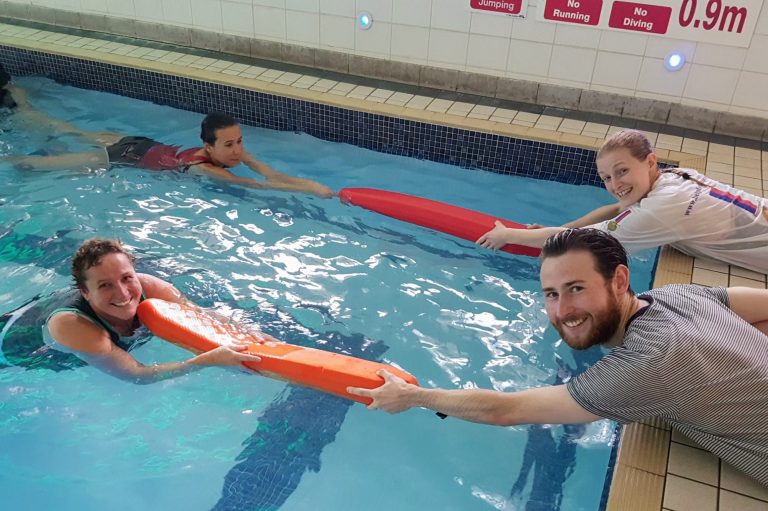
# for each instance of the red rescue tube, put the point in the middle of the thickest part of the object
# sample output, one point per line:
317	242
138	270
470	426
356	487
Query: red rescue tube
194	330
460	222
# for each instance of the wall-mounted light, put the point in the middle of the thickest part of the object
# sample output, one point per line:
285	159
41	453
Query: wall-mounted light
674	61
364	20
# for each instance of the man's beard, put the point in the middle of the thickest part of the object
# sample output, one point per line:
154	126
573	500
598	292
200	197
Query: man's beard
606	324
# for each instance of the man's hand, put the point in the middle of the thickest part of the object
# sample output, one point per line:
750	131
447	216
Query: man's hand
395	396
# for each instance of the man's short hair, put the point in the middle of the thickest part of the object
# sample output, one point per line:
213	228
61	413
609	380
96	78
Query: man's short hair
213	122
606	250
90	253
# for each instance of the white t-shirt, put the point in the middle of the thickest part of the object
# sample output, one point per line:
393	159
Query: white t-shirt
698	216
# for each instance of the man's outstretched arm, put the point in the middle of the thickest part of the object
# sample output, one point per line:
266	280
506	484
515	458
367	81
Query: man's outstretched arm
543	405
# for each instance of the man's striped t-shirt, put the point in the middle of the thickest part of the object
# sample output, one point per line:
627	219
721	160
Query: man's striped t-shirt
689	359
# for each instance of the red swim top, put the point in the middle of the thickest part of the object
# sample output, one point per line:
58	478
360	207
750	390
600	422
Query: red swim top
168	157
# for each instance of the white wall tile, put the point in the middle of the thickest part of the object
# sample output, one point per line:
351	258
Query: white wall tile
750	91
206	15
238	19
268	23
720	56
177	12
98	6
573	64
120	8
529	58
761	27
448	47
533	30
487	52
574	35
757	56
375	41
623	42
381	10
655	78
303	5
411	43
302	27
451	15
337	32
338	7
265	3
617	70
714	84
660	47
147	10
491	24
412	12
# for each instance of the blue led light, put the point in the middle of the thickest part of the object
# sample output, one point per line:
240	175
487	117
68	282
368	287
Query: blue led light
674	61
364	20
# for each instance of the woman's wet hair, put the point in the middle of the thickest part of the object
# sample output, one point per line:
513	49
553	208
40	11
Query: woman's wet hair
90	254
635	141
6	100
213	122
606	250
5	76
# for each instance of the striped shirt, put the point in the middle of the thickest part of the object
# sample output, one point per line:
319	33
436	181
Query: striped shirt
689	359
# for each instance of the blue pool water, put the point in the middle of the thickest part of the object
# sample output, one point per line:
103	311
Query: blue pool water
309	271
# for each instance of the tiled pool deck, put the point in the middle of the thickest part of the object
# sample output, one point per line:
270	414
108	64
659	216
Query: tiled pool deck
656	468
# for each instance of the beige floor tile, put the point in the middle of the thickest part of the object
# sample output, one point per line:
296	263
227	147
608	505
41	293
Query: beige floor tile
709	278
502	120
401	97
735	280
747	274
694	146
685	495
735	480
717	166
748	172
361	91
735	502
527	117
723	177
744	182
439	105
672	142
711	264
682	439
505	113
720	157
419	102
635	490
693	463
746	152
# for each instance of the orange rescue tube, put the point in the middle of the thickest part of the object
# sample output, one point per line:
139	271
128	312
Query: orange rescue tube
198	332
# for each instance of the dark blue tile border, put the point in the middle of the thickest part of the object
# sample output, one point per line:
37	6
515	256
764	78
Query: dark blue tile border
464	148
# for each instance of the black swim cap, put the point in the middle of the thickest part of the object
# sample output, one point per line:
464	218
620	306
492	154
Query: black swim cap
4	76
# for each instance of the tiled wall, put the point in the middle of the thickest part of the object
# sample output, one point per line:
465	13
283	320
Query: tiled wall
446	34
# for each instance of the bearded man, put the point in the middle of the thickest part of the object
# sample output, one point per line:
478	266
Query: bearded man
693	356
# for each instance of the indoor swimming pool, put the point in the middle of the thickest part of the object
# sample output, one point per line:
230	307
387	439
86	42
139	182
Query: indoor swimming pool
309	271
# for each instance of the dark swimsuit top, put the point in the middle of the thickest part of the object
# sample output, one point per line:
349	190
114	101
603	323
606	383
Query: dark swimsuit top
23	344
150	154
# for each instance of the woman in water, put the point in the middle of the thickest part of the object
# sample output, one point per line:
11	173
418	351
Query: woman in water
96	323
680	207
